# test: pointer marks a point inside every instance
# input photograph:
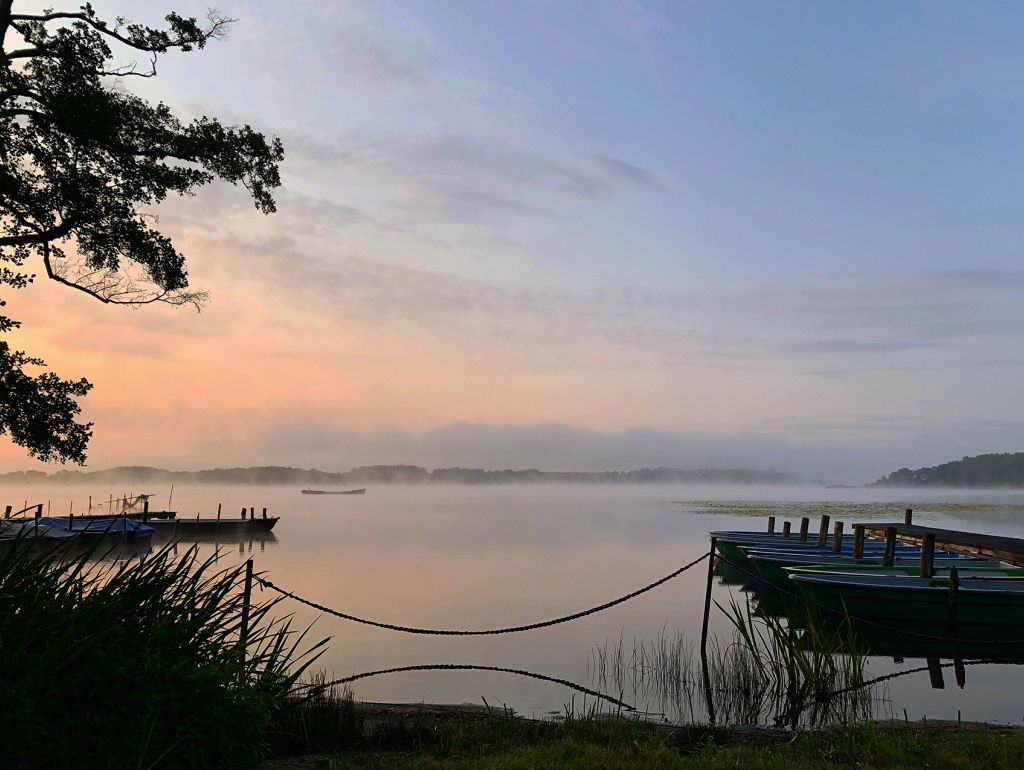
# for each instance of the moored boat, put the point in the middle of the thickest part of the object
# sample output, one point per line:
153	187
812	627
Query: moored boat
985	596
361	491
771	565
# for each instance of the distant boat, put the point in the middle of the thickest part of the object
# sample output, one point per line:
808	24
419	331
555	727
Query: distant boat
325	492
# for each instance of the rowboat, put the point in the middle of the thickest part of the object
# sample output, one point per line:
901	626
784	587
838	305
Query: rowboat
770	565
985	596
361	491
212	527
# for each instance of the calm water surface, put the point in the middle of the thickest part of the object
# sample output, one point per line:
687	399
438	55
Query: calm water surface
480	557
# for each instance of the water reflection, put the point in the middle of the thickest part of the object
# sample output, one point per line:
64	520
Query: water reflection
471	557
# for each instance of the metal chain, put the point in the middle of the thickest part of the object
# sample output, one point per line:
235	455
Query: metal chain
507	630
470	667
918	670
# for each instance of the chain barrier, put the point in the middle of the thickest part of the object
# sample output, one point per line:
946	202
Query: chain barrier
919	669
470	667
865	621
486	632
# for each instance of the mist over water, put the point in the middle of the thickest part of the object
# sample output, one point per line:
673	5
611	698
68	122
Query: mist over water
480	557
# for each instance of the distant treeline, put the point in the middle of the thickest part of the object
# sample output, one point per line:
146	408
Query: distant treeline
395	474
995	470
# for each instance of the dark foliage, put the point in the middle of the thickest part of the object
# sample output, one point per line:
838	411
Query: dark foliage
994	470
81	159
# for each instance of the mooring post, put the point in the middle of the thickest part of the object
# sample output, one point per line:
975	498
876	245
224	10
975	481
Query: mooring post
935	674
803	529
858	541
890	547
243	511
218	510
837	537
7	511
71	522
264	513
145	510
243	633
786	526
707	601
823	530
908	516
954	591
771	524
39	511
928	556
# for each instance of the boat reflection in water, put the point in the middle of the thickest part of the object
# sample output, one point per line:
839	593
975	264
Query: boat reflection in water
244	542
888	612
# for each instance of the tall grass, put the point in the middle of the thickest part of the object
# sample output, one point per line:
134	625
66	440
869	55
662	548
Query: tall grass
813	674
137	664
767	672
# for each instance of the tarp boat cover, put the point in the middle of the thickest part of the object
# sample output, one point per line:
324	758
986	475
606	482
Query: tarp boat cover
116	524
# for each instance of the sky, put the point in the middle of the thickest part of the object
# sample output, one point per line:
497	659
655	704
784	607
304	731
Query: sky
582	235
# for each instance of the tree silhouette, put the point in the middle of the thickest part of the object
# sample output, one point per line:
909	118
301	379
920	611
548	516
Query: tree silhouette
81	159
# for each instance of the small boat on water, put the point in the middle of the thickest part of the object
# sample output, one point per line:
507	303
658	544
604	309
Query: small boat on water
985	596
213	527
361	491
771	565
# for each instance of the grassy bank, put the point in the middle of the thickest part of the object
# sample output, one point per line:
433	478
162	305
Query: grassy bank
587	743
136	663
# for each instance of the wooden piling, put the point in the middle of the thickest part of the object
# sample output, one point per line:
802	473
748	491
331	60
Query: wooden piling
823	530
890	547
264	513
145	510
707	602
39	511
837	537
771	523
786	526
218	510
71	522
954	592
243	632
858	541
803	529
908	516
7	511
243	511
928	556
961	673
935	674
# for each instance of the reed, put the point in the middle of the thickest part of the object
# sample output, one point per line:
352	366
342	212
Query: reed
765	672
137	664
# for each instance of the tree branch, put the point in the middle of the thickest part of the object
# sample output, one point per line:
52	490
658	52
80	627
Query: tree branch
216	29
40	237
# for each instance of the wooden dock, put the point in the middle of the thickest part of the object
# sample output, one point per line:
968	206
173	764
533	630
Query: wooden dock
1007	549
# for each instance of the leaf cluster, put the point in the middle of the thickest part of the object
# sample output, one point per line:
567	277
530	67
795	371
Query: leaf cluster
83	161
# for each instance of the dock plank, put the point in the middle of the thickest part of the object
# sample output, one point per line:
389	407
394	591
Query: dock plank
1008	549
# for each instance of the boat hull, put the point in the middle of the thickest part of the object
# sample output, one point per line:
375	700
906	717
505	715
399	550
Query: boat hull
915	600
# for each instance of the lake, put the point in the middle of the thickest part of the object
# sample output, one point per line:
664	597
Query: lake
480	557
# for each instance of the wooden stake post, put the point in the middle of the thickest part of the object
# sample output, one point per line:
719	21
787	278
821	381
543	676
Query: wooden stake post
928	556
803	529
889	556
243	632
908	516
786	525
771	521
858	541
837	537
823	530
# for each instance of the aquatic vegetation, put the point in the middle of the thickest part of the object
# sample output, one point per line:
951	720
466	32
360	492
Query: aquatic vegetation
766	672
138	663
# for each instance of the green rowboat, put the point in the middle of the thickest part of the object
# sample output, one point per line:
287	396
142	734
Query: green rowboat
986	596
